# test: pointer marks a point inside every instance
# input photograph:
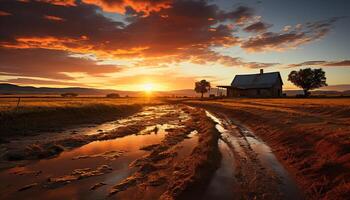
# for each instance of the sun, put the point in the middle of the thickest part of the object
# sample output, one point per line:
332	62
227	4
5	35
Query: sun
148	87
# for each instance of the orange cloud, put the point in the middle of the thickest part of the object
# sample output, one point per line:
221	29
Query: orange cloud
80	46
121	6
59	2
3	13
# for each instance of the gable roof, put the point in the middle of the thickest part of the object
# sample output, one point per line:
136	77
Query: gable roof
249	81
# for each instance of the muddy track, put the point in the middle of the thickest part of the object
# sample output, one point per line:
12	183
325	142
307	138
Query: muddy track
257	174
118	161
163	152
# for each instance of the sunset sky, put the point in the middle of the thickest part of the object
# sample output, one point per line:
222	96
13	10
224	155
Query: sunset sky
130	44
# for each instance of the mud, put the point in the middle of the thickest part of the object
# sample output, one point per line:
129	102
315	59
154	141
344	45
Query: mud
256	173
40	147
164	152
95	169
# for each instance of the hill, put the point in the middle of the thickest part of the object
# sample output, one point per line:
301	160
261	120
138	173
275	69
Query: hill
6	88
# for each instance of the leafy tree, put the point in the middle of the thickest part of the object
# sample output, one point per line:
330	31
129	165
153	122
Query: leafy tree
308	79
202	87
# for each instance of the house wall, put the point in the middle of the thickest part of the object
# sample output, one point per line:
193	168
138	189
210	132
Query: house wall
275	91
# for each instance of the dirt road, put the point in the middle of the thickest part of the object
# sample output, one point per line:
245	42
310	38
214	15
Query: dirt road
249	166
162	152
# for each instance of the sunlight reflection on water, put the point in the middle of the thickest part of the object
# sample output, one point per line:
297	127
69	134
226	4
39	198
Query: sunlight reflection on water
67	161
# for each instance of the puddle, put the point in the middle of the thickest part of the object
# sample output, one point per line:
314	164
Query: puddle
247	141
186	146
183	149
67	162
226	135
222	184
116	153
146	116
288	187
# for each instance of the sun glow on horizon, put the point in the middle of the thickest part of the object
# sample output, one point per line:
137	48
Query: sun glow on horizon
148	87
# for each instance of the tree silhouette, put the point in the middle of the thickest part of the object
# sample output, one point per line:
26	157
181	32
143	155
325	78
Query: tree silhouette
202	87
308	79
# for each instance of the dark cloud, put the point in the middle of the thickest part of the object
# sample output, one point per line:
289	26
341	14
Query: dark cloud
80	29
322	63
30	20
257	27
42	82
312	62
289	38
48	64
184	25
240	15
344	63
274	41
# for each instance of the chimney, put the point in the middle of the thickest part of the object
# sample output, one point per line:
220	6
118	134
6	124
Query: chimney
261	71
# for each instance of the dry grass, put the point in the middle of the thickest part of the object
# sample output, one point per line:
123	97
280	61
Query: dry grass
38	102
310	136
35	115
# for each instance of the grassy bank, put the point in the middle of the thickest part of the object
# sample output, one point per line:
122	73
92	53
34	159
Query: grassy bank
35	115
310	136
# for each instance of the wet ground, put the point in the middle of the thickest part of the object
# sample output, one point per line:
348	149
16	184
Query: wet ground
137	166
248	166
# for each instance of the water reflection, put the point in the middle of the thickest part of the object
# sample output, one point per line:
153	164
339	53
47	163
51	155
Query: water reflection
126	149
245	143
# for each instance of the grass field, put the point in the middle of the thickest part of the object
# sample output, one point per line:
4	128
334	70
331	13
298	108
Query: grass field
310	136
37	102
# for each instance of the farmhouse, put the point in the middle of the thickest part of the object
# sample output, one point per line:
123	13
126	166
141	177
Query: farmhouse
255	85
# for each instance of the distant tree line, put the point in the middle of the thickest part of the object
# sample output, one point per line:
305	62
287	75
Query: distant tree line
69	95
